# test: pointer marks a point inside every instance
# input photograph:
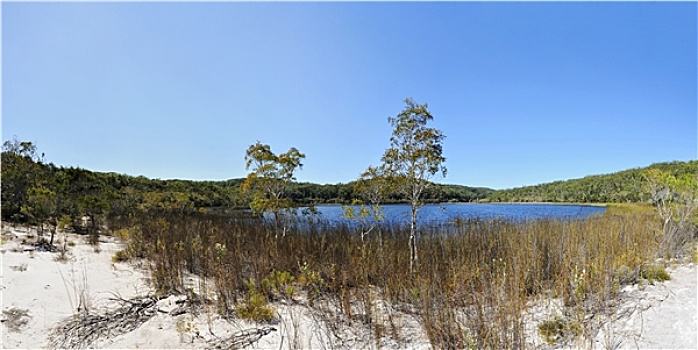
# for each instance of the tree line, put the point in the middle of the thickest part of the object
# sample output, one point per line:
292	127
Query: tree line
34	190
628	186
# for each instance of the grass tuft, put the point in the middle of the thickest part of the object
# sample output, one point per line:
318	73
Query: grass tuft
655	273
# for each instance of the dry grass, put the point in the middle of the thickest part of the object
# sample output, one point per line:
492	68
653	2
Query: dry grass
473	284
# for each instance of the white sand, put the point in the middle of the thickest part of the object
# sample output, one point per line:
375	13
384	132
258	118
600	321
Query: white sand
51	292
662	316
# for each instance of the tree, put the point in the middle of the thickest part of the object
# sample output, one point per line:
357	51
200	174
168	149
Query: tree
414	157
676	199
41	208
22	168
269	181
372	187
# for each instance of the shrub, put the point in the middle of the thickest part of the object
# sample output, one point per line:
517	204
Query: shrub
556	329
655	273
279	284
256	306
120	256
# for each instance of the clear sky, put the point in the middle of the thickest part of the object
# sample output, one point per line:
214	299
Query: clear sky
525	93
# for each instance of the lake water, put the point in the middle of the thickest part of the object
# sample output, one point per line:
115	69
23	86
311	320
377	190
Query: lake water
400	213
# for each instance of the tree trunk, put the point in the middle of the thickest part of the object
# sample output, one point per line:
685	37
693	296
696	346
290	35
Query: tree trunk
413	239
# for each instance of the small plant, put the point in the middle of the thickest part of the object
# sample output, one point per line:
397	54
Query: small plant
279	283
122	234
310	279
6	235
187	327
62	257
19	268
655	273
554	330
256	306
16	318
120	256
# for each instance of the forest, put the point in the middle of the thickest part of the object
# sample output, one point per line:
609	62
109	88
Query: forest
34	190
30	184
627	186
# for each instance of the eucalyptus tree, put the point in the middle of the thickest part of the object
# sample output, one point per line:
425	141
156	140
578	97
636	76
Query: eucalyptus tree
269	181
21	170
372	186
414	157
40	207
676	200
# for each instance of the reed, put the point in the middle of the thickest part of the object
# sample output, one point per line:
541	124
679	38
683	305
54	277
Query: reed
473	284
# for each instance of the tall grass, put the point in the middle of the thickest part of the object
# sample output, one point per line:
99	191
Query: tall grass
473	284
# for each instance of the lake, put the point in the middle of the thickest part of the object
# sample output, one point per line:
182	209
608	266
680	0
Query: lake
400	213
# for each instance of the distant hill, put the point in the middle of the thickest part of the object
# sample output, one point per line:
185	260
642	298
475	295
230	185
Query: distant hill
310	193
29	184
619	187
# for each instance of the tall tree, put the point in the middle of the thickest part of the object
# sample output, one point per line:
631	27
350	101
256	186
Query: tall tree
22	168
269	181
415	156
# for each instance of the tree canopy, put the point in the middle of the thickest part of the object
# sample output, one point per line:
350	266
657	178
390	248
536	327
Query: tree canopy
619	187
415	156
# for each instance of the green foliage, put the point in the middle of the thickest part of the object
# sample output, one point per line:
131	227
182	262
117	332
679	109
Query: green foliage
256	306
372	186
676	200
35	191
40	205
305	193
279	284
21	170
269	180
367	216
415	155
655	273
558	328
620	187
120	256
113	199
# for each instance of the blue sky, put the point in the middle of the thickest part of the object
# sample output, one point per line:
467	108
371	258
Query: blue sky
525	93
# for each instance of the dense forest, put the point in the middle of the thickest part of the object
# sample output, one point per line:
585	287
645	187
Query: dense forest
32	187
620	187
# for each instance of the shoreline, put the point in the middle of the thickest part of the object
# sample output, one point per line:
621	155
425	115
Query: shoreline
40	293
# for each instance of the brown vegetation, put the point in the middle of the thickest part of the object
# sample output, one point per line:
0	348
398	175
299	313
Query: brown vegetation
473	285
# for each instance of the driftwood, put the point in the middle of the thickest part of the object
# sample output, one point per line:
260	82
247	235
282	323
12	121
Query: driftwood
82	330
241	339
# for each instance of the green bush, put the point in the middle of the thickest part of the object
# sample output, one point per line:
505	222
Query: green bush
558	328
256	306
655	273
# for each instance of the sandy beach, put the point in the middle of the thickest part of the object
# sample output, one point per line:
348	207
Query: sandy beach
42	294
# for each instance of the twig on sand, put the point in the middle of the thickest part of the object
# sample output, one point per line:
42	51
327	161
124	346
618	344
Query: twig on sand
82	330
241	339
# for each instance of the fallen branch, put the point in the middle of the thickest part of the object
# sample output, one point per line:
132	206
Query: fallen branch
241	339
81	330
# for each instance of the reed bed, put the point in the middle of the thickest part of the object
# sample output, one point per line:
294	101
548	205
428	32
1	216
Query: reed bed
471	287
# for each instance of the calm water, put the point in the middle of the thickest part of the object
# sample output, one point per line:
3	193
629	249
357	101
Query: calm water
400	213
